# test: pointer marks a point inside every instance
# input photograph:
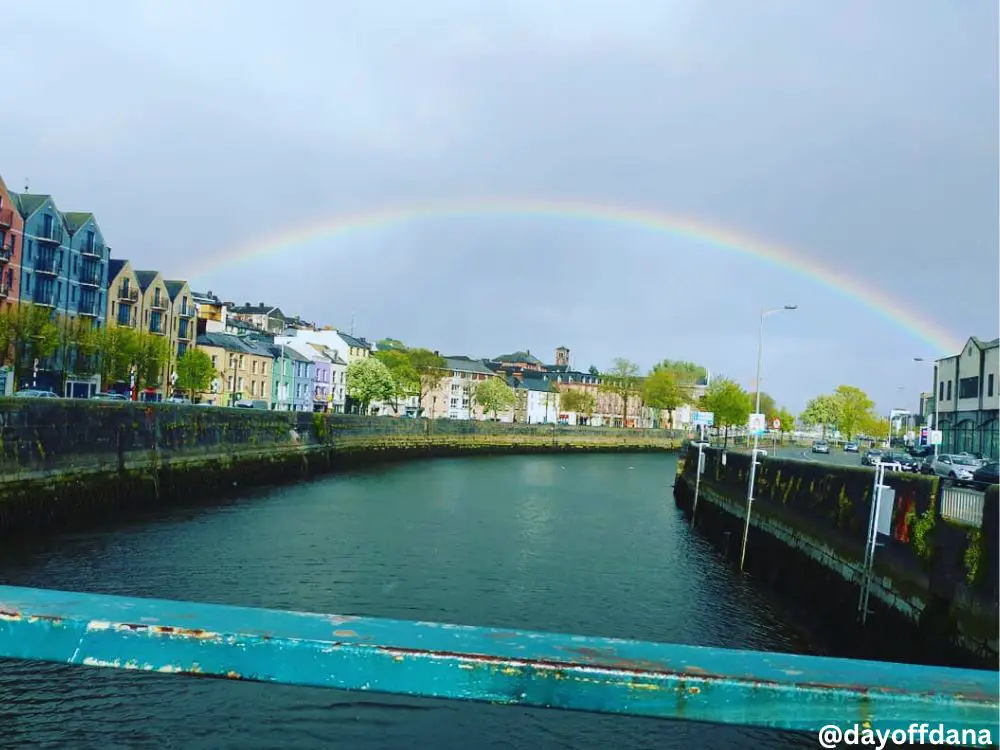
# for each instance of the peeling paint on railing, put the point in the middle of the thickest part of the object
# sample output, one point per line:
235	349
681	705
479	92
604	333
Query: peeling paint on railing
603	675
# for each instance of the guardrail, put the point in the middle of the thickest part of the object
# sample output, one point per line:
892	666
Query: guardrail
600	675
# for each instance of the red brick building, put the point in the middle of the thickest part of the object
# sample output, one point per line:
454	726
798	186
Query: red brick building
11	239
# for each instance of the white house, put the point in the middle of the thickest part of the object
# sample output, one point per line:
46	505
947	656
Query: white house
968	398
541	402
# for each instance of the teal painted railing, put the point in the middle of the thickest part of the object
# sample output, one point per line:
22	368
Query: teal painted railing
602	675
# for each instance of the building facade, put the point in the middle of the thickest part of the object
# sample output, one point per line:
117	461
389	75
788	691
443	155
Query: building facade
243	370
211	313
87	263
262	317
538	400
123	294
44	254
181	318
968	398
452	398
11	239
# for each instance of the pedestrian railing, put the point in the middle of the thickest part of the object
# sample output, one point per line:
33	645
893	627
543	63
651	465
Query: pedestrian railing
961	505
600	675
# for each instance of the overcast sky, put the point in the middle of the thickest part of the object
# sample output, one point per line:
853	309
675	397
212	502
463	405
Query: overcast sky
861	135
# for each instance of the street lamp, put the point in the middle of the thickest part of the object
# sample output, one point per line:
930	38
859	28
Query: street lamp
934	395
756	433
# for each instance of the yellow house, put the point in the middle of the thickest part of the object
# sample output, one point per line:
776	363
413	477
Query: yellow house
123	294
243	369
181	319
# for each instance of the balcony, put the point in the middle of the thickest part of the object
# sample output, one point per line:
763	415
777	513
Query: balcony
158	303
128	296
184	333
94	250
45	298
87	307
186	311
52	235
4	289
6	217
7	249
90	276
47	264
126	317
156	326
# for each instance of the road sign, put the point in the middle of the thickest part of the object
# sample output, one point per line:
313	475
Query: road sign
758	423
706	418
937	437
777	424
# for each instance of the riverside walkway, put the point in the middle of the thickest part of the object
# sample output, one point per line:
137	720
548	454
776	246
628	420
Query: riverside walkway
785	691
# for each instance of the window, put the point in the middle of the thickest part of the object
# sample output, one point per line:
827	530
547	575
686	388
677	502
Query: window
941	388
989	384
253	369
949	390
968	387
215	361
454	403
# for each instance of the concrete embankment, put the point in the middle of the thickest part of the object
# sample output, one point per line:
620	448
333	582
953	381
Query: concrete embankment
68	462
934	583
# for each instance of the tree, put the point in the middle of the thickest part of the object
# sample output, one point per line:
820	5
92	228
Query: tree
684	372
787	419
80	343
728	402
369	380
660	390
623	381
873	426
195	372
388	344
767	406
823	410
117	345
853	405
150	355
578	400
593	370
430	368
27	332
494	395
404	374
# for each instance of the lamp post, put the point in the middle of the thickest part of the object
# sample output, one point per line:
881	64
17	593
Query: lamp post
934	395
756	433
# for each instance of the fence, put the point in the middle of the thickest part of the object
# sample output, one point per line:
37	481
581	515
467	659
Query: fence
961	505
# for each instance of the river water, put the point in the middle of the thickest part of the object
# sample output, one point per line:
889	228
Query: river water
579	544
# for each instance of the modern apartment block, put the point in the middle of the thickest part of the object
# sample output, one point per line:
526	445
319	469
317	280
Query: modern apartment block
123	294
87	267
967	386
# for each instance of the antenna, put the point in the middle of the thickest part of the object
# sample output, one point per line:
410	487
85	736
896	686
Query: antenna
352	325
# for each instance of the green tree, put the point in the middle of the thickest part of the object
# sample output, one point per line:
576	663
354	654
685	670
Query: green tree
80	343
660	390
873	426
685	373
824	410
430	367
369	380
387	344
150	355
404	374
494	396
117	345
578	400
767	406
729	403
853	405
622	380
27	332
593	370
195	372
787	419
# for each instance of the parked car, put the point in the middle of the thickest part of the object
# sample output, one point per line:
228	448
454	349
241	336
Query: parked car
35	393
927	466
109	396
921	451
904	461
988	473
851	447
820	446
871	456
955	466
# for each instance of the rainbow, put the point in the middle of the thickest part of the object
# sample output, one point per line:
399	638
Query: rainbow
944	341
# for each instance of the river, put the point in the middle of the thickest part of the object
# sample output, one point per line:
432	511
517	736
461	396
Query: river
588	544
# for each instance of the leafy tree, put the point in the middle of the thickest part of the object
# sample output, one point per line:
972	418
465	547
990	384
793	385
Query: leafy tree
389	344
80	342
787	419
622	380
150	355
494	395
873	426
369	380
430	368
195	372
684	372
578	400
823	410
853	405
404	374
767	406
27	332
660	390
729	403
117	345
593	370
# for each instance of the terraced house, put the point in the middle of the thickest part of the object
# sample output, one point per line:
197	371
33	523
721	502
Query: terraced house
123	294
45	253
88	267
181	318
243	367
11	237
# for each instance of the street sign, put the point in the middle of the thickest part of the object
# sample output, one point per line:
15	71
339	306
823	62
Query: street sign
706	418
777	424
758	423
937	437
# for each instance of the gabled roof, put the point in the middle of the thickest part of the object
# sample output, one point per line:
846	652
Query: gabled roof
174	287
76	219
146	278
536	384
231	343
28	203
519	357
467	364
259	309
289	353
115	266
357	343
